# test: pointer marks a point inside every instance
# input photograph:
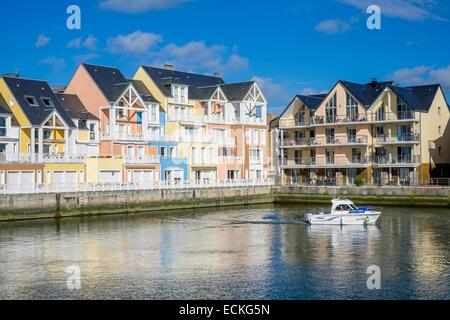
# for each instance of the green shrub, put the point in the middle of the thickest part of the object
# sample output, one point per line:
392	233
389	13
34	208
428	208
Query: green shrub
359	182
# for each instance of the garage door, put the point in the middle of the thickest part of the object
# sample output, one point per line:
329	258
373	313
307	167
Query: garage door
110	176
64	177
145	177
20	177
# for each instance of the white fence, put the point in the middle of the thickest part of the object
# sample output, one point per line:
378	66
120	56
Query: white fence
101	187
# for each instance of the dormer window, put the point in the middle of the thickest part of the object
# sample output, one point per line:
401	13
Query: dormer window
180	94
47	102
31	101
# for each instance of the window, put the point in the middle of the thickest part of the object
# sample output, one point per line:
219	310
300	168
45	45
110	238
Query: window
330	110
248	136
31	101
194	155
47	102
92	131
130	151
439	130
403	110
47	134
2	127
263	137
120	114
352	108
153	115
439	111
163	152
440	151
172	151
379	132
141	151
351	135
211	155
180	94
255	136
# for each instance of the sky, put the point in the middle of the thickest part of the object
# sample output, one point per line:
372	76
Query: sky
289	47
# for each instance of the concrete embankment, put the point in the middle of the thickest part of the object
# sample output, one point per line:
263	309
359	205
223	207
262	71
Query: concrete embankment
51	205
379	196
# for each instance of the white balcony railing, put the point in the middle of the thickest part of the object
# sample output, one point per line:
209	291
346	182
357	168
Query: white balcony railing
42	158
230	160
105	187
140	159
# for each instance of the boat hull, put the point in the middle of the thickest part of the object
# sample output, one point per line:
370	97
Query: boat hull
368	218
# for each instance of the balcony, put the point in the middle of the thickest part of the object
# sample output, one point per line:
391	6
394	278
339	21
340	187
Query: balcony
397	161
230	160
140	159
326	141
404	116
123	136
42	158
293	123
326	162
256	160
338	120
410	139
185	118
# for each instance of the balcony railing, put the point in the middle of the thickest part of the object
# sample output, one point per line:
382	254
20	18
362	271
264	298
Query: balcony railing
392	116
337	140
41	158
397	160
123	136
321	120
398	139
326	161
185	118
140	159
230	160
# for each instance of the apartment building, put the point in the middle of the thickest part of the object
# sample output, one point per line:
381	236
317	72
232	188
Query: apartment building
128	118
373	133
40	135
220	128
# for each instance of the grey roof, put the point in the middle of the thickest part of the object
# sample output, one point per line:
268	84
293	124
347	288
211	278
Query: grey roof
4	108
163	78
205	93
37	89
425	94
113	83
236	91
312	102
366	93
75	108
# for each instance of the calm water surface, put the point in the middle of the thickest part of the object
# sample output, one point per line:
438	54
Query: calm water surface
250	253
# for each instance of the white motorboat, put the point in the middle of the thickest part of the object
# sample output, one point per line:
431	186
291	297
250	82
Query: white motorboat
344	212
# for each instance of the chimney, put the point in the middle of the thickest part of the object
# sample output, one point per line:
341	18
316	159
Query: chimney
217	74
168	66
374	82
11	75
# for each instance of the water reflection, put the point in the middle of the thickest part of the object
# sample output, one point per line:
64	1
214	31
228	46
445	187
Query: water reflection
253	253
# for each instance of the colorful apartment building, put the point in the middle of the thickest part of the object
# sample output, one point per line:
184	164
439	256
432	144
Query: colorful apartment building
40	134
219	128
374	133
128	119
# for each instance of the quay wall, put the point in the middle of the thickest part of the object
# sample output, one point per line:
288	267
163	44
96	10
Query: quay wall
51	205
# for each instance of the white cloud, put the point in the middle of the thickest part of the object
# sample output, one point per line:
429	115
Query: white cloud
277	95
134	43
90	43
422	75
198	56
311	91
412	10
42	41
137	6
85	57
334	26
55	63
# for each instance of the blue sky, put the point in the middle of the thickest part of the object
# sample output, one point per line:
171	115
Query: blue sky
288	46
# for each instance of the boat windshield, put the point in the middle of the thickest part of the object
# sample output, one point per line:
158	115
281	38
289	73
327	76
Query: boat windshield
353	207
